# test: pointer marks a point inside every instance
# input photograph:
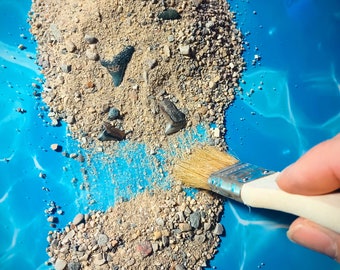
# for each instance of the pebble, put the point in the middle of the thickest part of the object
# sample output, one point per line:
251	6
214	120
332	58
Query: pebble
166	50
103	239
56	147
99	259
79	218
65	68
207	226
92	54
184	50
200	238
70	119
111	133
113	114
157	235
144	248
21	47
60	264
171	38
73	155
70	46
159	221
52	219
90	39
155	247
80	158
165	241
218	230
184	227
21	110
180	267
130	262
68	236
73	266
195	219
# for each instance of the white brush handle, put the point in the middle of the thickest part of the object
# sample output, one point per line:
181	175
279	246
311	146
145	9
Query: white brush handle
265	193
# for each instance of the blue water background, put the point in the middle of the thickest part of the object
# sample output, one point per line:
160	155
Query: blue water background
295	104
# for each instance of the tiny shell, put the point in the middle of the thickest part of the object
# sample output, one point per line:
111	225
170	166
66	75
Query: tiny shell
176	119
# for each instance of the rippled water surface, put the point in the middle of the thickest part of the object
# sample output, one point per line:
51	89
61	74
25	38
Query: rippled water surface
290	101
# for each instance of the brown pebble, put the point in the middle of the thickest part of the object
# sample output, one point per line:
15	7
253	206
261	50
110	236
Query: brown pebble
144	248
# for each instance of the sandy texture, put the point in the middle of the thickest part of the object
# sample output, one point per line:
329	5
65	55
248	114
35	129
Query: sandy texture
160	230
195	62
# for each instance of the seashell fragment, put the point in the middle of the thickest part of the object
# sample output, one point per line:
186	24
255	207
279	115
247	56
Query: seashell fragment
110	133
118	65
176	119
169	14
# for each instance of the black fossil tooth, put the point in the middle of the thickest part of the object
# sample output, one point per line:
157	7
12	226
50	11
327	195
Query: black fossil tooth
175	118
111	133
118	65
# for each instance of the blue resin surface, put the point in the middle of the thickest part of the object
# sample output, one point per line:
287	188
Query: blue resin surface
290	101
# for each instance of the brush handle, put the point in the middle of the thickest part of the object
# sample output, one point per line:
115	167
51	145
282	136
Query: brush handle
265	193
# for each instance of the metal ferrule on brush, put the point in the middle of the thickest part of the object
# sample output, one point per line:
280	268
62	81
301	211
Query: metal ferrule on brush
228	182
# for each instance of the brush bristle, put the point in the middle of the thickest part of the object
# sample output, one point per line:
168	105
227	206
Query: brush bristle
195	170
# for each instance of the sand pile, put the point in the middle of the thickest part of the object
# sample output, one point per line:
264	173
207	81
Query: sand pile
143	71
194	62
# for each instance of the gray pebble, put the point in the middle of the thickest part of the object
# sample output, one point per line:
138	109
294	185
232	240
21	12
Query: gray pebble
200	238
195	219
65	68
159	221
171	38
102	239
113	114
73	266
218	229
180	267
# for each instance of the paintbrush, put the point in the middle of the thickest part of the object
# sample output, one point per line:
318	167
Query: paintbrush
210	169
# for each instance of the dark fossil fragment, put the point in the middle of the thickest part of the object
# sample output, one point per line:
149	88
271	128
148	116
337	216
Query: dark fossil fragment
118	65
110	133
175	118
169	14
